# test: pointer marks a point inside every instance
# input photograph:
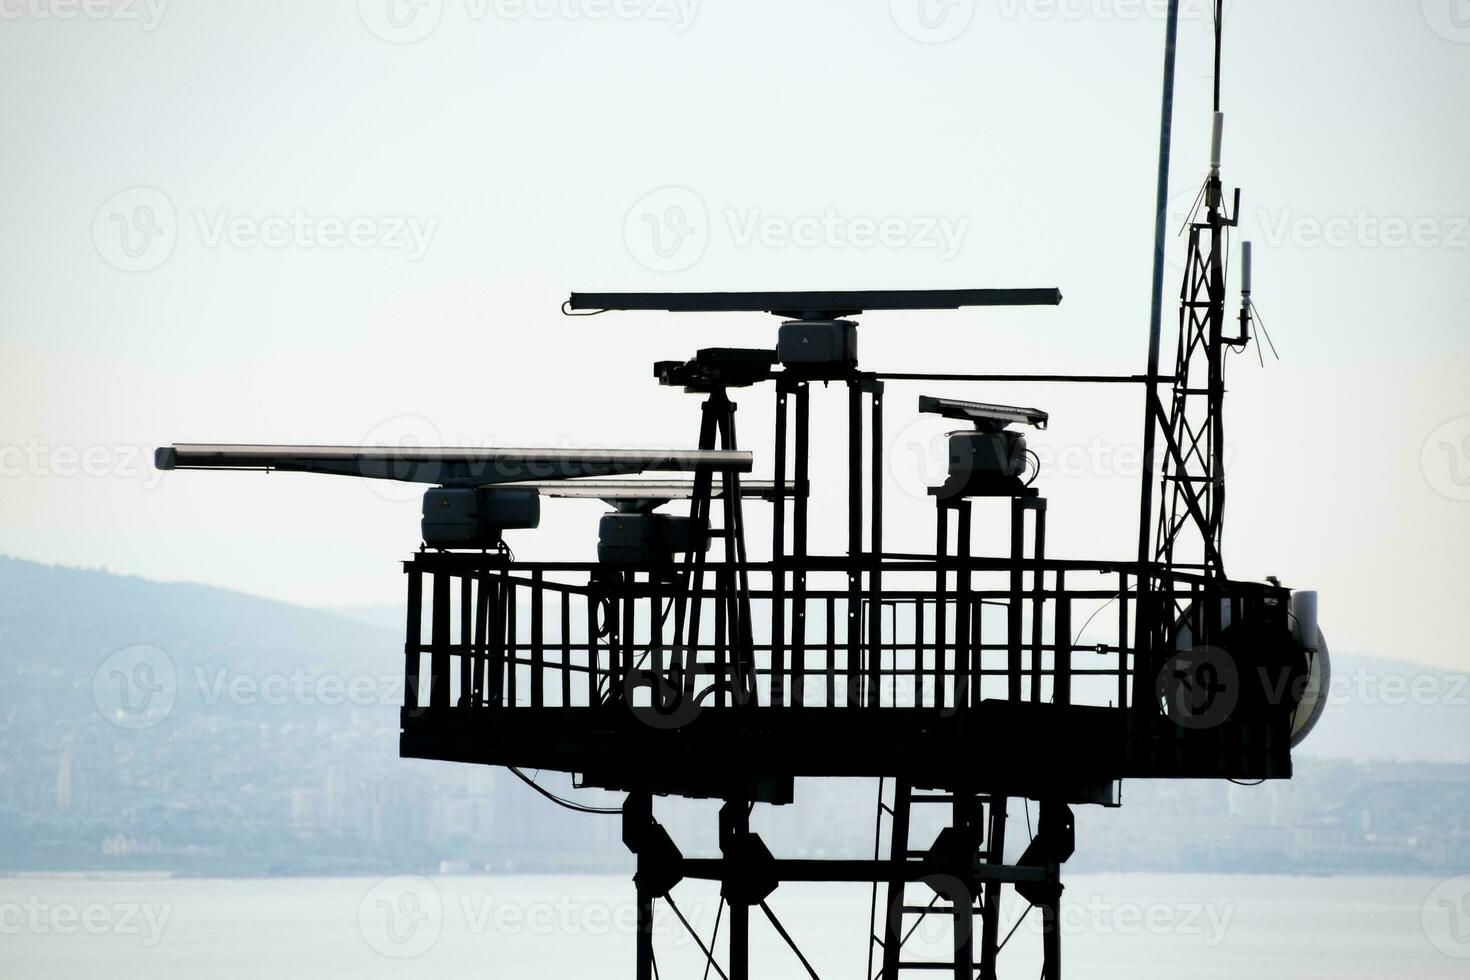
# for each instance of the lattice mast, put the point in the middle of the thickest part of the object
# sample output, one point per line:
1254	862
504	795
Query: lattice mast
1192	481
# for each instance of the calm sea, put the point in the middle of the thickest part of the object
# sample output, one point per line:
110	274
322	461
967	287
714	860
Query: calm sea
542	927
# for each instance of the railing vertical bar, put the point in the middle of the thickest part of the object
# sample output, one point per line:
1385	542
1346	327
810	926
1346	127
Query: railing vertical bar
831	651
466	631
538	651
495	604
964	654
592	655
656	639
439	642
941	604
778	552
1061	684
512	640
1123	639
722	672
918	670
482	625
566	649
1038	598
413	637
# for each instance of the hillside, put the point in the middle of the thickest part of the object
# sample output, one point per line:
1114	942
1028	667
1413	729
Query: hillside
187	728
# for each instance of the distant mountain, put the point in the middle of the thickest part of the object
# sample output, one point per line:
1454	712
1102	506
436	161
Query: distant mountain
1393	711
160	725
78	617
383	617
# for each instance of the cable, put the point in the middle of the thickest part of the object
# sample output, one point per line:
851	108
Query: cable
1193	208
1022	919
789	941
1264	331
1036	470
714	938
578	807
708	951
1089	619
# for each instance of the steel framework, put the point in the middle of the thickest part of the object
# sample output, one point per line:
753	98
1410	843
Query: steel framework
957	679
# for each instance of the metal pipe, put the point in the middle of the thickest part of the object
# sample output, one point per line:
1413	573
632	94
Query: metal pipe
1156	295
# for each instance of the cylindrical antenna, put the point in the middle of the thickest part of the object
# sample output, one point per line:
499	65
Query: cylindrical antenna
1245	274
1216	136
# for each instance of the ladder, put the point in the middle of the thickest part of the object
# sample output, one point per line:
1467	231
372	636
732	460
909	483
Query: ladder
975	830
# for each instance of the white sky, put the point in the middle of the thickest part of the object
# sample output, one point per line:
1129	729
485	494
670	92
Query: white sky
520	139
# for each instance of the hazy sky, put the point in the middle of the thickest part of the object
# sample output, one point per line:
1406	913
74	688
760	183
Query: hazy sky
354	222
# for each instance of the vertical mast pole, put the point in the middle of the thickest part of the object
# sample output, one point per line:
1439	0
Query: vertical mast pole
1144	607
1156	295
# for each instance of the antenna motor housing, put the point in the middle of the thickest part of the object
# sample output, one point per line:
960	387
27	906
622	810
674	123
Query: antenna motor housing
476	517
